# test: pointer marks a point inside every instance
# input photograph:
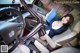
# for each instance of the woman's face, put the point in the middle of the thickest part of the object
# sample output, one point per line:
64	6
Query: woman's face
65	19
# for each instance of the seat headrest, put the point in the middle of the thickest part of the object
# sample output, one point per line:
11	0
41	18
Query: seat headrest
76	27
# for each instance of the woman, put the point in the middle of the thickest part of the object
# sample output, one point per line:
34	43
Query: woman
58	26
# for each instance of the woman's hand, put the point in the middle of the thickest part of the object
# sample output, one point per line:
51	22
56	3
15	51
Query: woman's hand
34	51
42	38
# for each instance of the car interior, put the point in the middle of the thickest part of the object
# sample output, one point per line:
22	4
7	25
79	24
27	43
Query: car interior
22	23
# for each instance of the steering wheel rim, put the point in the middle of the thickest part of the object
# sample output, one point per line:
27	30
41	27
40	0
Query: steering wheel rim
13	10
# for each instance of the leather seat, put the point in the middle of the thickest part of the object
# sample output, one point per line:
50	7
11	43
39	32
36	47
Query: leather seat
67	35
67	50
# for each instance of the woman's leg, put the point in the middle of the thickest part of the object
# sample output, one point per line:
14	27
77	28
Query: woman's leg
49	40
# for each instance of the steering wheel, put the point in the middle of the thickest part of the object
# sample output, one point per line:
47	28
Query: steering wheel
13	27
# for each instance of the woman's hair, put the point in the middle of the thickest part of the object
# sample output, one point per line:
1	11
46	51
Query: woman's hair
71	19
